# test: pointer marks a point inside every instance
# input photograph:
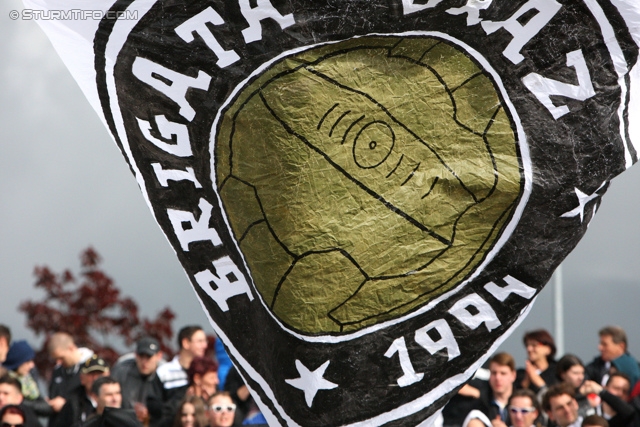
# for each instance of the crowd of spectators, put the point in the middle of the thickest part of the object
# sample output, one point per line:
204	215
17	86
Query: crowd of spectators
546	392
140	389
194	390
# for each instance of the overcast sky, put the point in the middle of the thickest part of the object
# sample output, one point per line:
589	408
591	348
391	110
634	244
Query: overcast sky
65	186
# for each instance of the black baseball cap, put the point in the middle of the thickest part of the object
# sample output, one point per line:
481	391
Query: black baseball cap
148	346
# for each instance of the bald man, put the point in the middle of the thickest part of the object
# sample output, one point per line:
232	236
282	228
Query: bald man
66	374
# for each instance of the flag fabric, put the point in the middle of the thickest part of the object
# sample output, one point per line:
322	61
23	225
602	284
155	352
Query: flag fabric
366	195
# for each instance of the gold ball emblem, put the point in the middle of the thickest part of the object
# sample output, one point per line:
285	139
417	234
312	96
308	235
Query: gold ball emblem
364	178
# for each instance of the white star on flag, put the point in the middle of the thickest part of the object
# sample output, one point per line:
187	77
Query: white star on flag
583	199
311	381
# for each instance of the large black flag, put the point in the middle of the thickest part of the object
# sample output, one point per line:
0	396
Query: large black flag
367	195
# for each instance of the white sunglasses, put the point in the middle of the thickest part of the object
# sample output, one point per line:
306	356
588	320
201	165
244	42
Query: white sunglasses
220	408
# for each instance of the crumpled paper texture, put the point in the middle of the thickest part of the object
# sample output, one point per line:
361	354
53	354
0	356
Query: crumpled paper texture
357	197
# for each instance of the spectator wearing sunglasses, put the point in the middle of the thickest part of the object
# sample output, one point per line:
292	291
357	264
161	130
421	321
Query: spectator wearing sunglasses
12	416
222	410
239	394
524	409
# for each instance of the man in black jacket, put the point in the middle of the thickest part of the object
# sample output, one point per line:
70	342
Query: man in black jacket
171	380
66	374
492	397
107	393
79	405
11	394
136	375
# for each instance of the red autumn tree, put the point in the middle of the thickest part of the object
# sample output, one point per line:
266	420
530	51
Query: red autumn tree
91	309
